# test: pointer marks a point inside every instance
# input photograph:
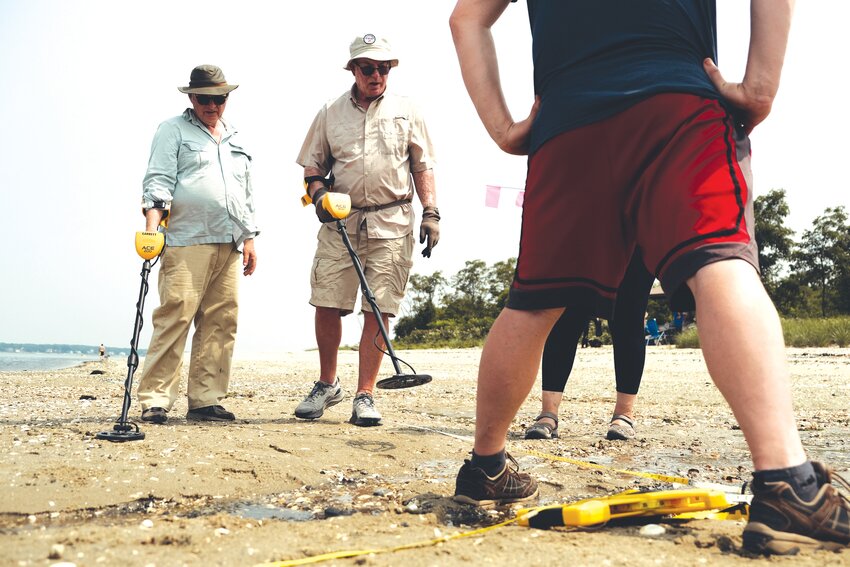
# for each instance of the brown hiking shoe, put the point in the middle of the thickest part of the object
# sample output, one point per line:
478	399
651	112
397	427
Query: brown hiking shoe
473	486
782	524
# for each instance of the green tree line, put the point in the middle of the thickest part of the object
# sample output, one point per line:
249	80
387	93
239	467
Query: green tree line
808	277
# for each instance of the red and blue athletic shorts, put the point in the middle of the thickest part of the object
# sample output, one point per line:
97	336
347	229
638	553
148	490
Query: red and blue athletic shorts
667	179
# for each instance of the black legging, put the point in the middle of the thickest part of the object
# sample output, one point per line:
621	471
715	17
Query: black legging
627	334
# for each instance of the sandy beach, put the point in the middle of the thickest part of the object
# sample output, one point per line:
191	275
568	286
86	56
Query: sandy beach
270	488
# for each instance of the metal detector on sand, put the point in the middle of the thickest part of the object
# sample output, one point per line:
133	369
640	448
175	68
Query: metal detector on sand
339	207
149	245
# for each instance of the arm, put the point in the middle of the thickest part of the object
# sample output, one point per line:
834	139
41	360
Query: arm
315	154
250	221
423	181
161	175
770	22
470	23
314	185
317	191
152	219
429	228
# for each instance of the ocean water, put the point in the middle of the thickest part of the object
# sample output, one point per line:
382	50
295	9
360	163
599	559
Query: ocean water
20	361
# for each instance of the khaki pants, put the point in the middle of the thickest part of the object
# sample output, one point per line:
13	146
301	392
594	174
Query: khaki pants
197	284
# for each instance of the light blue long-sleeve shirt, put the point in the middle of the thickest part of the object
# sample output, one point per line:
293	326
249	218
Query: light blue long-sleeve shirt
207	186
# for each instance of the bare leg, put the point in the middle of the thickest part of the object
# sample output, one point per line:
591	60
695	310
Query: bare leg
741	338
328	336
508	368
370	357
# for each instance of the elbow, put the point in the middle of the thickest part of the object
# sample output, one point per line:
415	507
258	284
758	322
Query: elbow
457	21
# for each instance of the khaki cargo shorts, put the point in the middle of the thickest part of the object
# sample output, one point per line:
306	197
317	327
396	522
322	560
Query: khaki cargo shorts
386	264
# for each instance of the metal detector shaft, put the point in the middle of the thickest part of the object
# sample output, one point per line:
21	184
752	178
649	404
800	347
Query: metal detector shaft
133	359
367	293
123	429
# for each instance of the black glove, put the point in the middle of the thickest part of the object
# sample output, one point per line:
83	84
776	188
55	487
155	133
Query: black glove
430	229
321	212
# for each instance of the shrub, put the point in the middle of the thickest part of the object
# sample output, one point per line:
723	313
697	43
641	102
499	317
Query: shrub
801	333
688	338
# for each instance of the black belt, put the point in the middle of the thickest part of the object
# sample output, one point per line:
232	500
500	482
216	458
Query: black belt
373	208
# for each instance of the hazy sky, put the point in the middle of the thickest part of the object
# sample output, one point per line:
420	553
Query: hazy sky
87	82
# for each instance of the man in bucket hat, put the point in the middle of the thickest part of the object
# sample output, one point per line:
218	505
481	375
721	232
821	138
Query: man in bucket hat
369	144
198	180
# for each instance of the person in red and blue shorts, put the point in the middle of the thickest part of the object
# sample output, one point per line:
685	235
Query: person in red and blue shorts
638	145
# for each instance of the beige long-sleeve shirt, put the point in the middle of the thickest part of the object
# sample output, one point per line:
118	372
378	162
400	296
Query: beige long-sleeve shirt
372	153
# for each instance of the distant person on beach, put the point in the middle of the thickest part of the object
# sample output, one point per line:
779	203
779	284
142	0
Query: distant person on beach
627	335
199	180
102	350
636	139
373	145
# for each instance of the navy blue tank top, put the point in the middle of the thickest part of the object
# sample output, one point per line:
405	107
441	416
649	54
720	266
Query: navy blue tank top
595	58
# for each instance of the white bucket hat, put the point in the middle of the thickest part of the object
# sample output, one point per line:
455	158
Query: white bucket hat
370	47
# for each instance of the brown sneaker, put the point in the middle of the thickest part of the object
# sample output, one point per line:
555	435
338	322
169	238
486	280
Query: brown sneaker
782	524
473	486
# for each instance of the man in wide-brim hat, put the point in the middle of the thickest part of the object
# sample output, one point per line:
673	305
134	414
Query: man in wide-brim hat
198	178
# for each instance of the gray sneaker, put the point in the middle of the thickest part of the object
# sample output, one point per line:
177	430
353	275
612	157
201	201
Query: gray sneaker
321	397
363	412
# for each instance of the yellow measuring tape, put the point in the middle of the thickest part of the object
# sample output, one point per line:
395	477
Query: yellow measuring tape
628	504
356	553
686	504
587	465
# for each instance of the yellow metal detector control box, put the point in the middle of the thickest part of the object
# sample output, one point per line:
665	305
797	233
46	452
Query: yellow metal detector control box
149	244
624	505
337	204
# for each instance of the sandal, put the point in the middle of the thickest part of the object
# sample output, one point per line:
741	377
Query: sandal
617	432
541	430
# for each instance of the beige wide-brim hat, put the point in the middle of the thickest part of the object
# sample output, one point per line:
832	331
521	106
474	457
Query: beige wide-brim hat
208	80
370	47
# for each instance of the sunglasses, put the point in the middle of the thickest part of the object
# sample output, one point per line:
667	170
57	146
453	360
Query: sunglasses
204	100
383	69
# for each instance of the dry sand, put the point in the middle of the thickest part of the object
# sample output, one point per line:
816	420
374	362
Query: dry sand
272	488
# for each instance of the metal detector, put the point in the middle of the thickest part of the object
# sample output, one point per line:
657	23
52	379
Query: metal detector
398	380
339	206
149	245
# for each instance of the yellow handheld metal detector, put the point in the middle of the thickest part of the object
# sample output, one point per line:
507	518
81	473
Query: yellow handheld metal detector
339	207
149	245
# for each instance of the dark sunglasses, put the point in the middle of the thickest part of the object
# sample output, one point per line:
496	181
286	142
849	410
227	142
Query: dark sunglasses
383	69
204	100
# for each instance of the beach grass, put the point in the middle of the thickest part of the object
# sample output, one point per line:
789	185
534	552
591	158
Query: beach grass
801	333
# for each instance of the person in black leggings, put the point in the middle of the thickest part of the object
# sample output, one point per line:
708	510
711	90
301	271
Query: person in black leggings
627	334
